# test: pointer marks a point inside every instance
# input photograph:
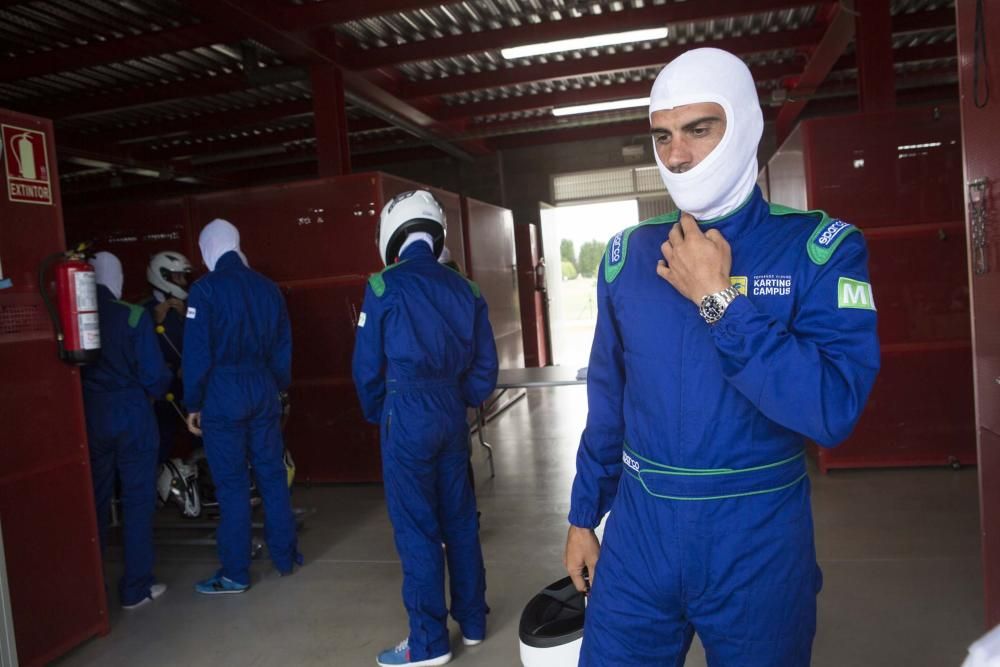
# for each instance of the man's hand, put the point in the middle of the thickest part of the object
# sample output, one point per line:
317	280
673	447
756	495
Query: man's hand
697	264
161	309
177	305
194	423
582	550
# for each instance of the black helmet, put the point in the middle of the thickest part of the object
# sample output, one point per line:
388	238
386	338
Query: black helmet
551	629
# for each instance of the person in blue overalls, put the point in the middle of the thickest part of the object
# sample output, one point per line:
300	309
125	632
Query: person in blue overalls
168	274
121	429
727	334
425	352
237	359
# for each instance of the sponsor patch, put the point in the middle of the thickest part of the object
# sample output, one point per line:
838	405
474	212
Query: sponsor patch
630	462
615	253
191	313
854	294
740	283
362	319
772	284
830	234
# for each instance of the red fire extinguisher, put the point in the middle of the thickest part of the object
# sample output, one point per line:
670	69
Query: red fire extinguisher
74	313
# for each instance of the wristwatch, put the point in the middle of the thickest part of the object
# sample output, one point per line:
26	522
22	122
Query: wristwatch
713	306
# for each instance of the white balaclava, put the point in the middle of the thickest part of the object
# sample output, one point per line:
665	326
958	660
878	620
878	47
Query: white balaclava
414	237
108	271
445	255
219	237
721	182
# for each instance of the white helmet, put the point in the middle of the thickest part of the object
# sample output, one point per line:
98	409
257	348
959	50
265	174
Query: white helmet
551	627
160	268
178	484
408	212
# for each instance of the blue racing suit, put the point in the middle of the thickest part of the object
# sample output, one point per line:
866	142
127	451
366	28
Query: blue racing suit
237	358
710	528
167	420
424	352
118	390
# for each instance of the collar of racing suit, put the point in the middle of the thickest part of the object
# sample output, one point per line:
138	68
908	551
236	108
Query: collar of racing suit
417	250
743	220
229	260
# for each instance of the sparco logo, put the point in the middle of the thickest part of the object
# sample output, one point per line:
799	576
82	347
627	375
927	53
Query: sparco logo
831	232
616	248
630	462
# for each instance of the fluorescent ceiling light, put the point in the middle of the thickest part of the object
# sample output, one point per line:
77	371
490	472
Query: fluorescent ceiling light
602	106
583	43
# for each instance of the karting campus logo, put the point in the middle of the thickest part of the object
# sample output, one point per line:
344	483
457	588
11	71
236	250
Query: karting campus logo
772	285
616	248
630	462
831	233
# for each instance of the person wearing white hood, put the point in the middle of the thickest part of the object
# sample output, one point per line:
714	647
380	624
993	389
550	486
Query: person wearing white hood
727	334
121	428
237	359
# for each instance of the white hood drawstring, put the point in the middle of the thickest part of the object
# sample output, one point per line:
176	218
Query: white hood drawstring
721	182
108	270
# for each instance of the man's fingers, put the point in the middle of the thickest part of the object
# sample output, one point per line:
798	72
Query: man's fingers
688	224
663	270
676	235
667	250
579	583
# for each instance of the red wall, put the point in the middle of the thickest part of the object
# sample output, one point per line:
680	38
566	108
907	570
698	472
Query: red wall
46	499
898	176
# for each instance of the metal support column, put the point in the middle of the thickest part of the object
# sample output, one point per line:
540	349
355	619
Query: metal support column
873	39
8	647
330	120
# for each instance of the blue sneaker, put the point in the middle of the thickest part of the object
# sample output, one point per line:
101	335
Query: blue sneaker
219	585
401	656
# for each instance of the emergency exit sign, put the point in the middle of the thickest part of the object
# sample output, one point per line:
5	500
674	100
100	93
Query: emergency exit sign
27	165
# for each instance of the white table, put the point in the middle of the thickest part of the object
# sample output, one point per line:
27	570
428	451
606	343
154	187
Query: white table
521	378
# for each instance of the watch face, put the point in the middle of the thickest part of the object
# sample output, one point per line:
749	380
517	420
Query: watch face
711	308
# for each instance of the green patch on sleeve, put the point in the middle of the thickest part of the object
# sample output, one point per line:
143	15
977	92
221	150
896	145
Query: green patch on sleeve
854	294
135	313
616	251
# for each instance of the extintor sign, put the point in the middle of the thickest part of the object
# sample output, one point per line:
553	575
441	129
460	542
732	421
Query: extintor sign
27	165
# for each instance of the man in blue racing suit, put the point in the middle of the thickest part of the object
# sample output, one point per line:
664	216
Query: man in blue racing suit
424	352
726	335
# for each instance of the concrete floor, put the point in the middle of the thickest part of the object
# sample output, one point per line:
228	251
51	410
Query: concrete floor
899	550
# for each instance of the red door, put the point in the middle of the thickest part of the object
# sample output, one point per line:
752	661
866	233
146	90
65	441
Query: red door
980	103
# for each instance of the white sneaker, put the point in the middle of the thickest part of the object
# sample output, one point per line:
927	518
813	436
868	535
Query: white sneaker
471	642
155	591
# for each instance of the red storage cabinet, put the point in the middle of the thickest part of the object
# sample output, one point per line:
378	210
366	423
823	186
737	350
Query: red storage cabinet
898	176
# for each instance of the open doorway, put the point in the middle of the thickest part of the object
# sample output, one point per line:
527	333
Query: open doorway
576	236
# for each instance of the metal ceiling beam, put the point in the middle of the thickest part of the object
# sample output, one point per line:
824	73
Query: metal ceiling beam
200	124
803	39
319	14
120	162
525	74
257	18
838	35
180	150
632	89
112	51
136	97
584	26
213	123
